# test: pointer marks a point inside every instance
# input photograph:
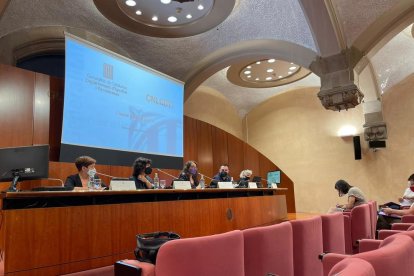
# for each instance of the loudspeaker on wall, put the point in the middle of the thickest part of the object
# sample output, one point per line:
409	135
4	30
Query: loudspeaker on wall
357	148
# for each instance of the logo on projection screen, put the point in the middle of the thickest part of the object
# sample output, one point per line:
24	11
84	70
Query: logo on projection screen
108	71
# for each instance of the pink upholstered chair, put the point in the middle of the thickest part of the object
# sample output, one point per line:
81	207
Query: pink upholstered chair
383	234
333	233
217	255
401	226
393	257
269	250
374	216
407	219
359	225
352	267
307	245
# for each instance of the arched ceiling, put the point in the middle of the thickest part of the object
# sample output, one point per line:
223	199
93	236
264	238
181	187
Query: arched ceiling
304	30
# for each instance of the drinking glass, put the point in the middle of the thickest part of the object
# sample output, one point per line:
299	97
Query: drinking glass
97	184
162	184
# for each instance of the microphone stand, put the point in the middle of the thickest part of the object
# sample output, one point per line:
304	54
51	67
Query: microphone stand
170	175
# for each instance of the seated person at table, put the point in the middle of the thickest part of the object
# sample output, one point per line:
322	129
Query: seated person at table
140	171
86	170
244	179
222	176
189	173
408	198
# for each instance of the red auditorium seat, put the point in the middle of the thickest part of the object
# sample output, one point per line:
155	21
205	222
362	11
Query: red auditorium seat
333	233
352	267
307	245
357	226
269	250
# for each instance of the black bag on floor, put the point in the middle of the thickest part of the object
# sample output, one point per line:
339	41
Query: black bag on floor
148	245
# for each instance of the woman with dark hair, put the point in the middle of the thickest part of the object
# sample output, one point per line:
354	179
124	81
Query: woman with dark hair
140	171
355	195
189	173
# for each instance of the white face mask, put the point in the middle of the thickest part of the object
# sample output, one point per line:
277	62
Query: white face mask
92	172
409	184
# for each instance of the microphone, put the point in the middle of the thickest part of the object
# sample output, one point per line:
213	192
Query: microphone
170	175
211	179
57	179
107	175
23	170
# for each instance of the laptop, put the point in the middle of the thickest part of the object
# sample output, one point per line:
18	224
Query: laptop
181	185
122	185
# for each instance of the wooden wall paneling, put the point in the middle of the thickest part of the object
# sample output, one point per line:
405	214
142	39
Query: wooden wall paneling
120	171
251	159
220	155
204	148
235	156
41	108
16	106
190	139
56	116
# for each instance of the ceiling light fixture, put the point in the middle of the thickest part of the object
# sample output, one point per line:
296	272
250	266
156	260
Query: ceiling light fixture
138	12
258	62
200	7
289	72
165	1
292	68
249	67
249	76
280	77
271	60
257	79
269	78
130	3
172	19
247	72
269	70
154	18
189	16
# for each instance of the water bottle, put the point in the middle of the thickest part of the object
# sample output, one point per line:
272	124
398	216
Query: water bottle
202	182
91	183
156	181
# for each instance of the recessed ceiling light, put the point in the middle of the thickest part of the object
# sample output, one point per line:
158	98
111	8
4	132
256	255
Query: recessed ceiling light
154	18
257	79
249	67
268	78
189	16
280	77
271	60
172	19
249	76
247	72
289	72
292	68
130	3
200	7
291	63
258	62
165	1
138	12
269	70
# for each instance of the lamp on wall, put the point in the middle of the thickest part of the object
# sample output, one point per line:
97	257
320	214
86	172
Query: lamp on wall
347	131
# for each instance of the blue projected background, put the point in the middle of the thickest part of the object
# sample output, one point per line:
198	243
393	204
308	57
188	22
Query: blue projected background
112	103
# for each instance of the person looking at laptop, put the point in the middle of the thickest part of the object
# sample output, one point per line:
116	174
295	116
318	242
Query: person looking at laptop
86	170
244	178
141	169
222	176
189	173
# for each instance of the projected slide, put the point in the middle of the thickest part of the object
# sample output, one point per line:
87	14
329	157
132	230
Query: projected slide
114	104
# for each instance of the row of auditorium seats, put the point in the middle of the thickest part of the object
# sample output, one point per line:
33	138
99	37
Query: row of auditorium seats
289	248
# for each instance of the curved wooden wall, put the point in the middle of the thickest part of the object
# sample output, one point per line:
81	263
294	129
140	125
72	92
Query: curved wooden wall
31	107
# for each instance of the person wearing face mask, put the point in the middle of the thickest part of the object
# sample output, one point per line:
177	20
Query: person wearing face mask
86	170
244	178
222	176
355	196
408	198
189	173
141	169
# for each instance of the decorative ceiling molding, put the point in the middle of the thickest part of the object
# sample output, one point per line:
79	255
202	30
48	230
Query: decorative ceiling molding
218	13
322	26
46	39
245	52
3	6
337	26
233	75
393	21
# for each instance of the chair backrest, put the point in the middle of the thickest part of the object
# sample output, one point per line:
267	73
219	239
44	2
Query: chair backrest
333	233
394	256
373	212
360	224
220	254
407	219
352	267
307	245
269	250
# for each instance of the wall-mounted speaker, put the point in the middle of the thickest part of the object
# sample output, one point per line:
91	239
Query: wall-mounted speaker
357	148
377	144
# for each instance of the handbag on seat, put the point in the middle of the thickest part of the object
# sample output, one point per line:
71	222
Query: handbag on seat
149	243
